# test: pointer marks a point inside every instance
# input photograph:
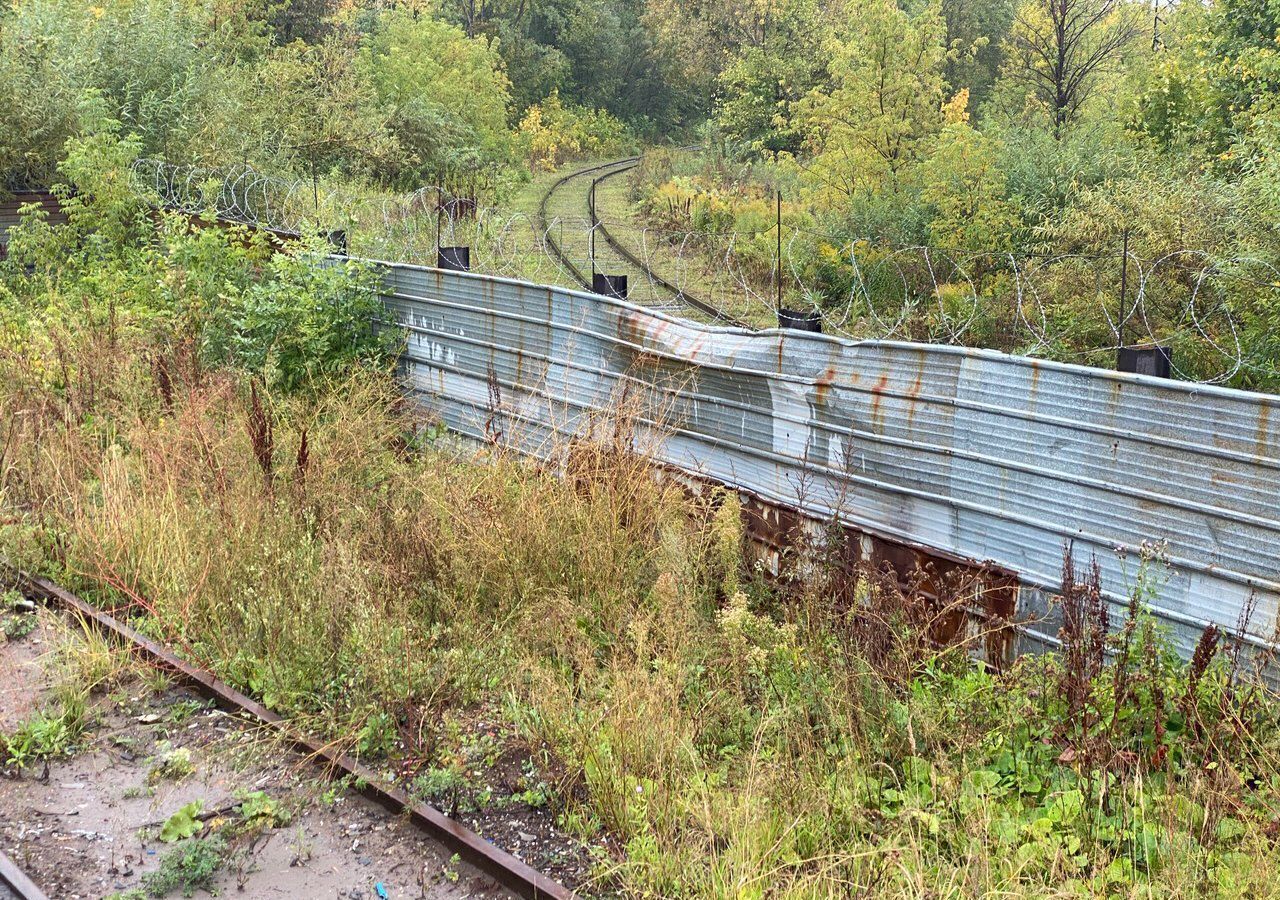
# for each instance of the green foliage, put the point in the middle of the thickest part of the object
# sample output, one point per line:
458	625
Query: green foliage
16	627
964	183
759	89
885	101
257	810
302	322
45	736
15	624
290	317
170	763
552	133
189	867
446	95
806	734
55	730
183	823
377	737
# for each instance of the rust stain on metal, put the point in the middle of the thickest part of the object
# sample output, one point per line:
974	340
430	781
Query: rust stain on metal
822	386
978	600
913	393
964	591
513	874
1262	442
877	398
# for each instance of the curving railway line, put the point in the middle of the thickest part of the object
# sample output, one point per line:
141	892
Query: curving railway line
583	244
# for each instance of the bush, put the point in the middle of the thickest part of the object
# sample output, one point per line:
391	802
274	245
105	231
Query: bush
553	133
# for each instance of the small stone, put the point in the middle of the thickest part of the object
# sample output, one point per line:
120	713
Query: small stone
526	837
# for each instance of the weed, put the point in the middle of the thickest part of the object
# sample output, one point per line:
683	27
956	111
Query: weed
377	737
333	793
43	737
87	661
302	848
52	732
189	867
183	824
261	435
448	785
182	711
451	869
17	616
17	627
537	792
170	763
730	734
257	810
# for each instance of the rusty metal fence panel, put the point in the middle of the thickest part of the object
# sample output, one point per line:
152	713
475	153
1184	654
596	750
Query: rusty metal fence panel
976	454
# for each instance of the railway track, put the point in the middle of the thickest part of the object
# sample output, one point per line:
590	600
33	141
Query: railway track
512	873
595	244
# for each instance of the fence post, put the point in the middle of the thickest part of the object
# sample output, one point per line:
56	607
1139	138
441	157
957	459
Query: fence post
454	259
609	285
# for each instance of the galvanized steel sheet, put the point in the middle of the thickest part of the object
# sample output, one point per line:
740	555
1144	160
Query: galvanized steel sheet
977	454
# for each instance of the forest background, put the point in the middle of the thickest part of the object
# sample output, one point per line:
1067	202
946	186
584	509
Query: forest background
984	172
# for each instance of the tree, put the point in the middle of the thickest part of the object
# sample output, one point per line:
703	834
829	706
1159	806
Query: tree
759	90
975	32
964	183
1058	48
700	37
305	109
304	20
444	94
886	99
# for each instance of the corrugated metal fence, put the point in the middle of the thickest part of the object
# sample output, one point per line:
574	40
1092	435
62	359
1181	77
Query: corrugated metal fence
975	455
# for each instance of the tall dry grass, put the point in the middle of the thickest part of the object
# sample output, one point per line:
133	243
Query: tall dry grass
735	736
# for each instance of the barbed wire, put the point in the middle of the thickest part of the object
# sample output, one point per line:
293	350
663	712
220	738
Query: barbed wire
1068	306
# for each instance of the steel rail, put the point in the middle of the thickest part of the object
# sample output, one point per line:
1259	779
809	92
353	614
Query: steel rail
510	872
617	167
17	881
680	295
556	250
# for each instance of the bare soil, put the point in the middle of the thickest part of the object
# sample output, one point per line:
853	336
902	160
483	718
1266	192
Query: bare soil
87	825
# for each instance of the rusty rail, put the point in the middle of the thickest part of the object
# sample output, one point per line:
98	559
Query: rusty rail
609	170
681	296
17	881
511	873
556	250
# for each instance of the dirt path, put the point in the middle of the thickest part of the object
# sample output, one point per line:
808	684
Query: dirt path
89	824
